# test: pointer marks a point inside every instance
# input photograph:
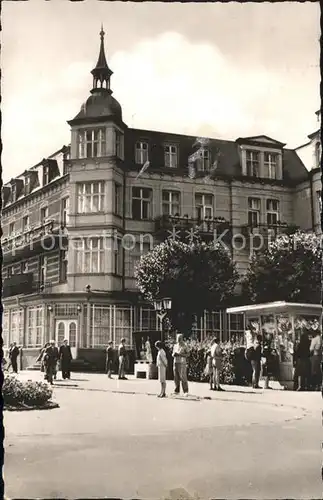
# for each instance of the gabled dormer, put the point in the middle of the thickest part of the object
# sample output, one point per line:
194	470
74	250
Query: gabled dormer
50	170
31	181
17	189
261	157
6	192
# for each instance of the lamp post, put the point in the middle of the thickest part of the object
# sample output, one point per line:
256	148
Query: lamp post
162	306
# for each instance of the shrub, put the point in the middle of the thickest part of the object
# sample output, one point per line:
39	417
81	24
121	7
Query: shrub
15	392
235	369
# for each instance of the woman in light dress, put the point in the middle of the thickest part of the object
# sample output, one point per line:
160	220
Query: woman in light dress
162	366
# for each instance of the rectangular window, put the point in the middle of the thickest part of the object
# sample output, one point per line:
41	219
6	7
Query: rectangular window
119	144
90	197
141	203
170	156
147	320
272	212
123	325
43	214
25	223
101	325
24	267
11	229
254	212
63	265
117	199
270	165
118	259
64	211
203	162
91	143
45	175
35	337
17	326
203	206
252	163
141	152
89	255
9	272
42	269
171	203
13	193
5	329
27	185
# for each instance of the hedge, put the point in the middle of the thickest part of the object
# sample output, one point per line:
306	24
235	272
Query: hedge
18	393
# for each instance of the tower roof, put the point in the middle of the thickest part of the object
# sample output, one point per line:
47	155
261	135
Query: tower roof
101	73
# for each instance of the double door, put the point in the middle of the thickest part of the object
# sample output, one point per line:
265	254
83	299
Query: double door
66	329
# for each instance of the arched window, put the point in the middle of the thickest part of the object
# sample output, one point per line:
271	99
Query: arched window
317	154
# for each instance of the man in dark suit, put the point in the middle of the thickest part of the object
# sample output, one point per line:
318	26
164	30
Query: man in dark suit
13	356
50	361
65	356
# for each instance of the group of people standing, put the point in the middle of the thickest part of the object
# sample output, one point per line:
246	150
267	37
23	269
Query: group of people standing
51	356
307	361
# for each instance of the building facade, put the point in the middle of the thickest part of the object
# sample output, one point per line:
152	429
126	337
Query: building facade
75	225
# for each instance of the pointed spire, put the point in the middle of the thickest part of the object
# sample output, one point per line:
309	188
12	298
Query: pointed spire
101	73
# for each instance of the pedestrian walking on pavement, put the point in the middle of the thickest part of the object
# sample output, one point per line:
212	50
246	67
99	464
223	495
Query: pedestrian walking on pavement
162	367
180	355
216	355
50	361
302	363
208	370
256	362
13	356
122	354
65	357
316	361
109	359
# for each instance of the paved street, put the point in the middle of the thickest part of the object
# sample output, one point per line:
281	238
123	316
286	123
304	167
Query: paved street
102	442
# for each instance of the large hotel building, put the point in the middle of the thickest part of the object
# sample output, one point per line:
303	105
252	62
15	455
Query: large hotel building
75	224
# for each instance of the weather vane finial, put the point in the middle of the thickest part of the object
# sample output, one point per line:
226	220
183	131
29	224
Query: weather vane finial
102	32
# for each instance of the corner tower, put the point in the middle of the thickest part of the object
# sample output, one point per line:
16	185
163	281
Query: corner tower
97	130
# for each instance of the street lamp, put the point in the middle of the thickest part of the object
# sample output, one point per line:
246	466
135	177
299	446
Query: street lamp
161	307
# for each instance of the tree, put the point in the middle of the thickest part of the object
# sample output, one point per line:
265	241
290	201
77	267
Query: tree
196	276
289	270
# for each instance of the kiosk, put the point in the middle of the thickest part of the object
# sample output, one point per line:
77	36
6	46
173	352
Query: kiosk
286	321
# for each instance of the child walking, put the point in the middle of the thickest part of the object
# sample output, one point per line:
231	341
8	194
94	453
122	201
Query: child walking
161	365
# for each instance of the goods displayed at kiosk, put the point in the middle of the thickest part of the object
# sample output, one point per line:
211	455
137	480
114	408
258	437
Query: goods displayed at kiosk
286	322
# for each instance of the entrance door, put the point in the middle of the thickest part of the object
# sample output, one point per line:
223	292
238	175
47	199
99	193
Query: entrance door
67	329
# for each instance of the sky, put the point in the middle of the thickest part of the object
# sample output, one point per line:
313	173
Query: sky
217	70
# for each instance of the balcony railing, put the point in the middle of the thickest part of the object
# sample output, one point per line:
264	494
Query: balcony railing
268	231
185	227
25	284
29	236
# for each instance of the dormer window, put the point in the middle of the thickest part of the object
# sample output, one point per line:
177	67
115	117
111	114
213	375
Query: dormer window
170	156
13	193
317	154
253	162
203	162
91	143
270	165
141	152
27	185
45	175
